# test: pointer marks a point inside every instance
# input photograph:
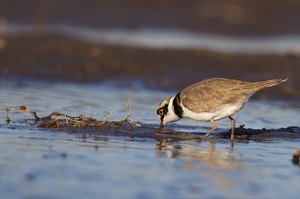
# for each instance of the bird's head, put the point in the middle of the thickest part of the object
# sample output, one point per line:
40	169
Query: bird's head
166	112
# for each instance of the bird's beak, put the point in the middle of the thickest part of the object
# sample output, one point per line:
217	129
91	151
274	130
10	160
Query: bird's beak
161	125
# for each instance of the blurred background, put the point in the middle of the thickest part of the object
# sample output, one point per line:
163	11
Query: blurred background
87	57
158	44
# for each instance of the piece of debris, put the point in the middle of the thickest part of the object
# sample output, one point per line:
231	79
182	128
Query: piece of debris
296	158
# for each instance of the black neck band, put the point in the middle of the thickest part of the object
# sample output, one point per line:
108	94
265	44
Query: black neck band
176	104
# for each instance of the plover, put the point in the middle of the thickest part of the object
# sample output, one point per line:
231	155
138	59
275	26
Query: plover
210	100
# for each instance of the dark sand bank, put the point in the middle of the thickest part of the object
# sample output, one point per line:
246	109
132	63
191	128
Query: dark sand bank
58	58
84	127
236	17
133	130
148	132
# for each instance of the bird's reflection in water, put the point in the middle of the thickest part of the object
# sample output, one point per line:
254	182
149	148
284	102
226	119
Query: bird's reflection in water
207	155
211	162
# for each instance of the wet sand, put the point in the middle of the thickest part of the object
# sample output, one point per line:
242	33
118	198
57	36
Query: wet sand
148	132
84	127
61	59
98	129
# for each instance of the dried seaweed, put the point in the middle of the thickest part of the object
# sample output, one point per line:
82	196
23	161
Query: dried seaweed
61	120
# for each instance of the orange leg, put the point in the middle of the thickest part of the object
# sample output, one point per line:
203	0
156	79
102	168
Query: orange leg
213	128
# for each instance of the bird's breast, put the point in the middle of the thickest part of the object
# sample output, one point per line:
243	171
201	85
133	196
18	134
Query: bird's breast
216	114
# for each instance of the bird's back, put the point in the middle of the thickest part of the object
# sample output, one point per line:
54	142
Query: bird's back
210	94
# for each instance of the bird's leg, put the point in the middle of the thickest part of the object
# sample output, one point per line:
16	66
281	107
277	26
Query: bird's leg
213	128
232	127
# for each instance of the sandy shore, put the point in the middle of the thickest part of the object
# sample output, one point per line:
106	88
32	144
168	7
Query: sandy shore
57	58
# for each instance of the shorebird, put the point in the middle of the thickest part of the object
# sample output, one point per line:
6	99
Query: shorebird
210	100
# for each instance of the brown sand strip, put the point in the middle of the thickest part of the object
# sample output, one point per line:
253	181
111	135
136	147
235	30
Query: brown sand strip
60	59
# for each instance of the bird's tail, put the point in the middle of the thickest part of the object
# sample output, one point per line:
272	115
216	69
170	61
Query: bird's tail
265	84
272	82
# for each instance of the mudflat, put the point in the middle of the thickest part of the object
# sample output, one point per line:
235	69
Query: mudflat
58	58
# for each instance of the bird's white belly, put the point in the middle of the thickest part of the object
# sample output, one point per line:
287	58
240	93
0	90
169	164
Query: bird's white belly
217	114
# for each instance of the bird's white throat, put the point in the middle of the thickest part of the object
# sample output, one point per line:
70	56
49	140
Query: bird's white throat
170	116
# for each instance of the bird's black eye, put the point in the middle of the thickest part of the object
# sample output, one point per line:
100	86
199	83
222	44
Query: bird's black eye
160	112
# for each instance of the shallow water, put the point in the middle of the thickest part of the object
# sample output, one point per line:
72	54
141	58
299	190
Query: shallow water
165	38
42	163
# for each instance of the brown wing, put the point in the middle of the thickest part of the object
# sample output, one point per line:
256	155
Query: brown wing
210	94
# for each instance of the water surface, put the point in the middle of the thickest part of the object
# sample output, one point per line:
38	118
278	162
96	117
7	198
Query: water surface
45	163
